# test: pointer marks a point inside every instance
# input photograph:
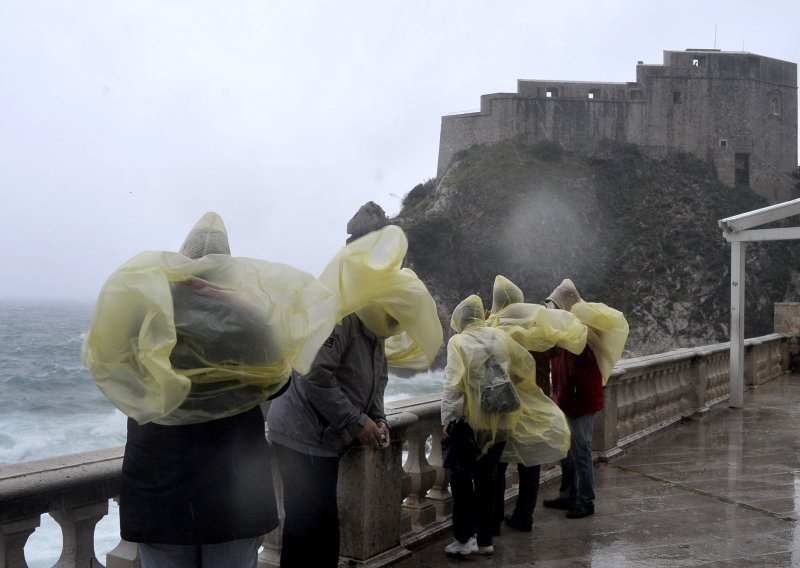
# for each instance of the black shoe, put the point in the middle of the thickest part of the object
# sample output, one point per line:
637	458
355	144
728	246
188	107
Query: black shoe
580	511
559	503
515	524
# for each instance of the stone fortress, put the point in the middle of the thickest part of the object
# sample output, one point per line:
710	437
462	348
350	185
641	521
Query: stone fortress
736	110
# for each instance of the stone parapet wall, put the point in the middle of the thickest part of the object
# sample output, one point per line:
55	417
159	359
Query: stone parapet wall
390	500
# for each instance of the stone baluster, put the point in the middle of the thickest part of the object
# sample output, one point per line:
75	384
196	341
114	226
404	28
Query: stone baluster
77	526
651	399
13	536
660	400
698	386
422	477
672	386
750	368
624	408
686	381
439	493
640	402
606	429
779	356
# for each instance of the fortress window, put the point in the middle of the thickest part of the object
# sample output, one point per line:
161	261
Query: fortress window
594	93
552	92
677	97
723	143
698	61
635	95
776	107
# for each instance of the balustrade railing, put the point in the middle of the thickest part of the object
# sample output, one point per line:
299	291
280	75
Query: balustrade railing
388	505
646	394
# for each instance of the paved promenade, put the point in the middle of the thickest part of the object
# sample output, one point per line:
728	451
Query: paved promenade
722	490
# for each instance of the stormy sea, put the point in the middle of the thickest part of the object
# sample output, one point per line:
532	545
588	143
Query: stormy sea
49	405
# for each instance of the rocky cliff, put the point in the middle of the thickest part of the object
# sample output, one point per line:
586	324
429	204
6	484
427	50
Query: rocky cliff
636	233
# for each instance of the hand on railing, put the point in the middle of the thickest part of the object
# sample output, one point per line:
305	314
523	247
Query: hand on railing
370	434
386	435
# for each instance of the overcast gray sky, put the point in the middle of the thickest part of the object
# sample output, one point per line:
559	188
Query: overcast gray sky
123	122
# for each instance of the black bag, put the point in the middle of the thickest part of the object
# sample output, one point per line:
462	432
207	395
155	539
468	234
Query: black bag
498	394
460	451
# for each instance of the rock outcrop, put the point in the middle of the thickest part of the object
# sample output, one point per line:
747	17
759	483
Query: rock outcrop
636	233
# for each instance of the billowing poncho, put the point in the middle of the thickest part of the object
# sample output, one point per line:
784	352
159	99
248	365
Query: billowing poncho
537	431
391	301
187	338
607	327
608	332
533	326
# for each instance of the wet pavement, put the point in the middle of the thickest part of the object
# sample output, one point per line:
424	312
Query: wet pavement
721	490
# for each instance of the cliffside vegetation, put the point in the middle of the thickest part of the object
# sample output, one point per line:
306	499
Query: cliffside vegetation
637	233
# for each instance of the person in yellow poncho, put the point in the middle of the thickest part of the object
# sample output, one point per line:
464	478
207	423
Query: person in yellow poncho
490	395
339	402
578	382
184	344
539	330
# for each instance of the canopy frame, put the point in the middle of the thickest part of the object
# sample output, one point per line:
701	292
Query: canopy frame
739	230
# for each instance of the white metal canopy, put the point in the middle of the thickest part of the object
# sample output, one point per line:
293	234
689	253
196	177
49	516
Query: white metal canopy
738	230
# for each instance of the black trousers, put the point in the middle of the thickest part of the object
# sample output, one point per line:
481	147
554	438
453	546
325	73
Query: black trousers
311	525
528	493
474	498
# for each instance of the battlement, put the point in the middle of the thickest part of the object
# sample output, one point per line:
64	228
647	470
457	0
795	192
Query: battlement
736	110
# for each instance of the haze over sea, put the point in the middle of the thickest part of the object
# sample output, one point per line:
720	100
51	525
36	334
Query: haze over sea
50	405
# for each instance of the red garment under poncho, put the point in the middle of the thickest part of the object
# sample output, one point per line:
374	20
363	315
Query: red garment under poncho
577	382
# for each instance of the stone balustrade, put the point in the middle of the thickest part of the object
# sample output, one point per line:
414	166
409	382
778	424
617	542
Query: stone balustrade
647	394
388	505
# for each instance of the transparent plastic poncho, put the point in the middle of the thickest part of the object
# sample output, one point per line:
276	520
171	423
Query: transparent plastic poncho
181	341
537	432
531	325
607	333
392	301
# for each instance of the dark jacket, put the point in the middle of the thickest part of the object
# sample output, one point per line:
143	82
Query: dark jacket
197	484
577	382
323	411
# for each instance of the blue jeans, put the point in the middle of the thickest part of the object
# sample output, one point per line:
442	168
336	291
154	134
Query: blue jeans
577	469
232	554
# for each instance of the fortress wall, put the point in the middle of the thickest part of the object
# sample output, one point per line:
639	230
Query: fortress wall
579	90
712	104
575	123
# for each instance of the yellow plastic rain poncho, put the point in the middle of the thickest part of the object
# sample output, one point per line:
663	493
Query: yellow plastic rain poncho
391	301
533	326
537	431
182	338
607	327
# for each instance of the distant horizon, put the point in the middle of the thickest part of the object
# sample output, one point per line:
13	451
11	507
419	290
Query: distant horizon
46	300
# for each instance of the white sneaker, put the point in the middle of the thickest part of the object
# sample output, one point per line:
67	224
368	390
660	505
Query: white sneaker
486	550
456	548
